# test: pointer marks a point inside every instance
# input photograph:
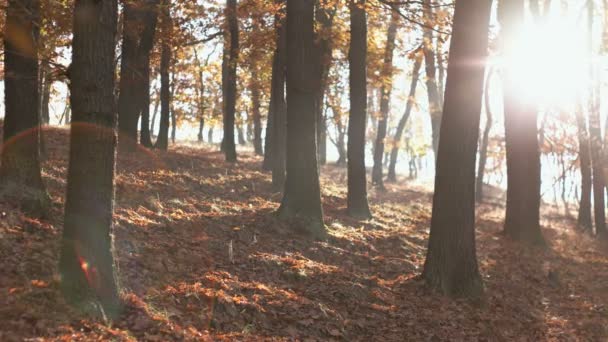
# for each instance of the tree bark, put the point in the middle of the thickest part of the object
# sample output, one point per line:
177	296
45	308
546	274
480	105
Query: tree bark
278	122
357	205
483	151
138	38
595	133
584	212
392	175
254	86
385	98
451	261
162	141
301	202
20	177
229	65
522	219
431	73
325	13
86	263
144	133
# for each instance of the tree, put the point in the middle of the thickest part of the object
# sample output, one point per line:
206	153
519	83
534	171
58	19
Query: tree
357	204
431	72
451	261
20	177
385	97
140	19
595	134
584	212
392	175
521	141
278	122
483	149
162	142
144	136
325	13
86	263
301	201
229	65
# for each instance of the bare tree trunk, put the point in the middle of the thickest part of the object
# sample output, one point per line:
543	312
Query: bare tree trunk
229	65
20	177
357	204
392	175
138	39
431	73
144	133
483	152
522	219
162	141
325	13
451	261
385	97
86	263
584	212
278	104
254	86
301	204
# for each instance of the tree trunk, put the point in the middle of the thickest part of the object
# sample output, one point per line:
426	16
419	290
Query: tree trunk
229	65
451	261
86	263
301	204
138	39
46	95
20	177
278	124
357	205
483	152
431	73
584	211
162	141
521	141
255	108
392	175
385	98
325	13
201	125
155	113
144	134
596	142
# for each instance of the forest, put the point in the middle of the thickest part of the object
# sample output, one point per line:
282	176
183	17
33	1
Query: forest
304	170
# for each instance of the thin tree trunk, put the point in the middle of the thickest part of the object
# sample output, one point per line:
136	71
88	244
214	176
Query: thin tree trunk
522	219
20	177
392	175
325	12
278	122
144	133
155	113
254	86
162	141
138	39
301	204
357	205
483	152
229	65
595	133
451	261
431	73
385	98
584	211
86	263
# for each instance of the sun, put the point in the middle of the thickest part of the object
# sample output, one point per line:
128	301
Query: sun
550	62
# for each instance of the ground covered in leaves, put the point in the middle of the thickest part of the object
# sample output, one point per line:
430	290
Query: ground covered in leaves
201	257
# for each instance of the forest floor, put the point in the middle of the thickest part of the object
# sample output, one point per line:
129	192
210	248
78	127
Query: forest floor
201	257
